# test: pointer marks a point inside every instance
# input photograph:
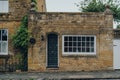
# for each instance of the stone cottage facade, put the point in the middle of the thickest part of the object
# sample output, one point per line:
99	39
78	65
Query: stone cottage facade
10	20
61	41
11	17
70	41
11	13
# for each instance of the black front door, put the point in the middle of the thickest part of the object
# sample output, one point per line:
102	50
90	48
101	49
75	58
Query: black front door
52	51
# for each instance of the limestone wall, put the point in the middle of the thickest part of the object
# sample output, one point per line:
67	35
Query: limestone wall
41	5
17	9
12	19
98	24
12	26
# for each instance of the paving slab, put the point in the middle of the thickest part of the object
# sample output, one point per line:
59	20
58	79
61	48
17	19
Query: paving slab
95	75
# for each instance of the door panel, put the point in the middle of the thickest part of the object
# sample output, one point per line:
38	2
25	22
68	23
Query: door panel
116	54
52	51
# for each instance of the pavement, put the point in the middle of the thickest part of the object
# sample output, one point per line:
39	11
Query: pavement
94	75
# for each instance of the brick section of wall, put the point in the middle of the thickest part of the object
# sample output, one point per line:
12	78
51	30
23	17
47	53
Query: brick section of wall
97	24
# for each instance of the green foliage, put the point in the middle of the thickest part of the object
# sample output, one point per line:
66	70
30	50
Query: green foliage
118	26
94	6
18	63
21	37
99	6
35	3
31	79
20	41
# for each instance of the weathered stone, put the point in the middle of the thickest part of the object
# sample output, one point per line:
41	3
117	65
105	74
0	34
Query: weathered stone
75	24
12	20
43	23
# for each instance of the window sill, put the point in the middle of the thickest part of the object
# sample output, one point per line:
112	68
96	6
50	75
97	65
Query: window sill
81	55
1	14
4	56
4	12
52	68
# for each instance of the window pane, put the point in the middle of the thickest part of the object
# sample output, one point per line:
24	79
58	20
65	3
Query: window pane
92	44
79	50
92	49
92	38
0	35
87	44
70	43
0	47
65	38
87	38
74	38
83	43
79	38
70	38
65	49
3	6
79	43
83	49
74	43
87	49
4	47
75	50
83	38
70	49
66	44
4	35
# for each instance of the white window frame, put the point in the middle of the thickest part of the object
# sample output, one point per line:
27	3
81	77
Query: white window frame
78	53
2	53
4	8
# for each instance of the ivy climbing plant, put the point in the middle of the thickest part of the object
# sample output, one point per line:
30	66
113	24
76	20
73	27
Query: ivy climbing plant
21	37
35	3
20	41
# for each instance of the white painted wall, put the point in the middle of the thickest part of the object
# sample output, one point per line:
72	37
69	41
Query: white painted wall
116	55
